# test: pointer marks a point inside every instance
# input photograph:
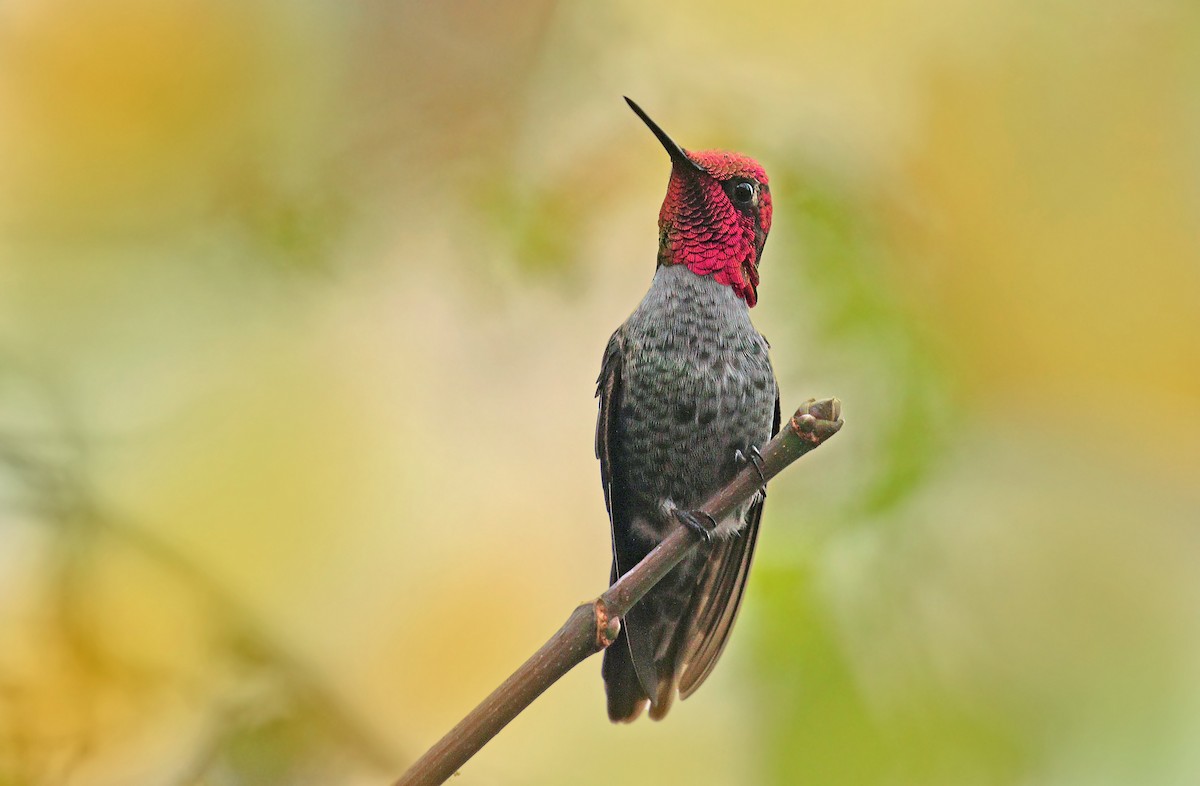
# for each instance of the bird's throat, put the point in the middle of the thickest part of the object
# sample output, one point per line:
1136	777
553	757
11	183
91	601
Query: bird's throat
730	258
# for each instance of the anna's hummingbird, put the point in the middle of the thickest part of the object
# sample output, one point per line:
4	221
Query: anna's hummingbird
687	395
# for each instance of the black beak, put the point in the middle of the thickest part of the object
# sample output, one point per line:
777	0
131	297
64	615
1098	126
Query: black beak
673	150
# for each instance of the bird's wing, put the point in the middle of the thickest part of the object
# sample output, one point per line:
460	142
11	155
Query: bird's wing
718	597
608	390
626	695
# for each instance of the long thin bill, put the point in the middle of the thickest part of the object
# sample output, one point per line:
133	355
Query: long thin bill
673	150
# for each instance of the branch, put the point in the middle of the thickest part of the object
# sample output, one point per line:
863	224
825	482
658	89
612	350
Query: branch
595	625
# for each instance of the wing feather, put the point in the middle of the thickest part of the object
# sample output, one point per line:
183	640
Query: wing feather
627	696
719	597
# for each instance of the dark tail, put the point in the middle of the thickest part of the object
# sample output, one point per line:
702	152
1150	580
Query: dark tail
626	699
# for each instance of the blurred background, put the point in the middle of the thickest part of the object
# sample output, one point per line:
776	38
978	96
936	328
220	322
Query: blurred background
301	308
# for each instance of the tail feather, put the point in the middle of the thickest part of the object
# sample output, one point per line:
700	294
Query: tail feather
626	698
664	695
640	666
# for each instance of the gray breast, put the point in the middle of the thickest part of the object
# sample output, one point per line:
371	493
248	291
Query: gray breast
697	388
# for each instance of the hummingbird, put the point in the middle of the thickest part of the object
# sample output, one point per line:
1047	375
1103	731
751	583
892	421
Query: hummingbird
687	397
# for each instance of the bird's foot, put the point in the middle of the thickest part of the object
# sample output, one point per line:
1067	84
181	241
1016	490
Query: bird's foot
699	522
756	459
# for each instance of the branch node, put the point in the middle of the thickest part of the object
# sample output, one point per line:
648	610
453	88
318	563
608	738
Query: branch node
607	627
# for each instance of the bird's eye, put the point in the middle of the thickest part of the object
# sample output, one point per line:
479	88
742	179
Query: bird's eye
743	193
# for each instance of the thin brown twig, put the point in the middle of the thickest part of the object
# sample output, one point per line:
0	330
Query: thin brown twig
594	625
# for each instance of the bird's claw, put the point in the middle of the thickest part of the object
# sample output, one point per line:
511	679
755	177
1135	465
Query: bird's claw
692	520
756	459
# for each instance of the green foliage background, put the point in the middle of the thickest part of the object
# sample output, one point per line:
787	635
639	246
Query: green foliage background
301	306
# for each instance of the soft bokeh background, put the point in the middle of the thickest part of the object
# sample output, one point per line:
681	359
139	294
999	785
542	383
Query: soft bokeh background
301	305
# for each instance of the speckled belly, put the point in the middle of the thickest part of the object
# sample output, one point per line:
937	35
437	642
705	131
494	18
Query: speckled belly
690	404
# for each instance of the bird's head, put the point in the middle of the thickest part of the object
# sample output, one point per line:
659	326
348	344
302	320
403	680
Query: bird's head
716	216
